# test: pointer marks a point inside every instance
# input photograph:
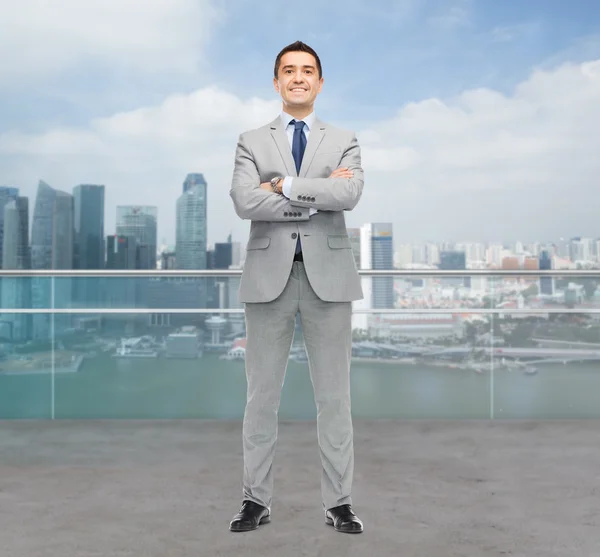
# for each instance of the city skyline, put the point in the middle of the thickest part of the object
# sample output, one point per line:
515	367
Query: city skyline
15	189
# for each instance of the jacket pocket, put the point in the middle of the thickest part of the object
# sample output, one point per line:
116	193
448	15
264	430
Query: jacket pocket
260	242
338	242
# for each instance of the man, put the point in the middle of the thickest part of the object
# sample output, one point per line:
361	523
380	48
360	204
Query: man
294	178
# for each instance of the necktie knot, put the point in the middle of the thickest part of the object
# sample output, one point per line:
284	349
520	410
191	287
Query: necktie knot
298	125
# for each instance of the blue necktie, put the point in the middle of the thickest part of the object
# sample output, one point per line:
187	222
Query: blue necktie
298	147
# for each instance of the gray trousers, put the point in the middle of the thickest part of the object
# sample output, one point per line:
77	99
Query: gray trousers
327	331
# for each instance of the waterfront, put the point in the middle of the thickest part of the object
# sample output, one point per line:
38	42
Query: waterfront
214	388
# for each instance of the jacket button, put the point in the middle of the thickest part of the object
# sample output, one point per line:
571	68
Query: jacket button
312	198
285	214
294	235
299	198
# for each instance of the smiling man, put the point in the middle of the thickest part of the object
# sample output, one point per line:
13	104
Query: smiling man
293	179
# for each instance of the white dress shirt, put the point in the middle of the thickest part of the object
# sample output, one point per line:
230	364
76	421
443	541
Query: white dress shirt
309	121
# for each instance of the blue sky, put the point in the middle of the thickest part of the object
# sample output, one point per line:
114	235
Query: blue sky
378	57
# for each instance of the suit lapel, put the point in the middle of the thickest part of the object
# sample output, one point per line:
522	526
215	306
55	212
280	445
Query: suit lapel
317	133
283	144
314	140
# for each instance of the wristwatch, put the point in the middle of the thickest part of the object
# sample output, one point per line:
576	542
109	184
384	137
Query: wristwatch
274	183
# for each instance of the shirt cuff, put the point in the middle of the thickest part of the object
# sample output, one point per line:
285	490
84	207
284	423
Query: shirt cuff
312	211
286	187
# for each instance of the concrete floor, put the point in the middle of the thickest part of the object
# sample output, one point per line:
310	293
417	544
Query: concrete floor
427	489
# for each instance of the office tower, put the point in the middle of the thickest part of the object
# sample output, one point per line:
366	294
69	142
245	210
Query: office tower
546	284
51	248
382	253
190	239
192	180
141	223
62	231
88	250
89	226
120	252
223	255
7	194
454	261
16	291
122	292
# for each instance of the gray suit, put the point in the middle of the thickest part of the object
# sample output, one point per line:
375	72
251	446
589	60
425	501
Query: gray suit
275	288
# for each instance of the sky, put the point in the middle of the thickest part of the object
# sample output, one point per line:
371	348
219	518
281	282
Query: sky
478	120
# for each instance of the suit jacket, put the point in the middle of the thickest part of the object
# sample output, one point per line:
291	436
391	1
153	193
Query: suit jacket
264	153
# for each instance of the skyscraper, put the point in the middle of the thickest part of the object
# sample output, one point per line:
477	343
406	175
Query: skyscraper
454	261
16	291
192	180
88	249
7	194
141	223
42	227
190	239
546	286
89	226
51	248
382	252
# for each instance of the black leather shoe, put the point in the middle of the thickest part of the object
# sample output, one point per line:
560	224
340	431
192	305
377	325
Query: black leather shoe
343	519
251	515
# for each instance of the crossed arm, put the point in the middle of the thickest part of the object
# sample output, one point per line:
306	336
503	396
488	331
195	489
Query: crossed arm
255	201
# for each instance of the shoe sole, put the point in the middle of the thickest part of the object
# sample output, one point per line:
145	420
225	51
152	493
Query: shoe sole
263	520
329	522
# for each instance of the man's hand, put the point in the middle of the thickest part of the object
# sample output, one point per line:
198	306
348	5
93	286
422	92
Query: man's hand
267	186
342	173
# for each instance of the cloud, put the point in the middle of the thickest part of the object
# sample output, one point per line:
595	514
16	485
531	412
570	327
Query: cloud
483	165
45	38
143	156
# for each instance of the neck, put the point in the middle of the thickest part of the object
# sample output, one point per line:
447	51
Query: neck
299	112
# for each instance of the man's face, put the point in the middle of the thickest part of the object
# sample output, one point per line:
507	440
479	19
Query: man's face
298	80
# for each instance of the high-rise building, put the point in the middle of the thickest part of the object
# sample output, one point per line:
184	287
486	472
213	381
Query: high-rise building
16	291
7	194
546	286
62	231
89	226
141	223
88	248
382	252
190	240
51	248
192	180
454	261
122	292
223	255
120	252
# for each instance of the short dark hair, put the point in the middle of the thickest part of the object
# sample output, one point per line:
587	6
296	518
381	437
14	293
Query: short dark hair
298	46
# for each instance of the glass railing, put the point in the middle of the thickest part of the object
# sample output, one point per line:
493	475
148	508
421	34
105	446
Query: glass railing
426	344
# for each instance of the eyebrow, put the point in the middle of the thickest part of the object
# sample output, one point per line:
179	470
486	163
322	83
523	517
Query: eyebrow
291	66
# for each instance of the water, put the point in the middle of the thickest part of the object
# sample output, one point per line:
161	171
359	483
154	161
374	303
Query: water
107	387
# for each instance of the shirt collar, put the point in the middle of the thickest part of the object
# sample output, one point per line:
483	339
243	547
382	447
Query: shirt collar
308	120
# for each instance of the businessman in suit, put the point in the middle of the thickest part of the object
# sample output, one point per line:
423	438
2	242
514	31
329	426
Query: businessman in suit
294	178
